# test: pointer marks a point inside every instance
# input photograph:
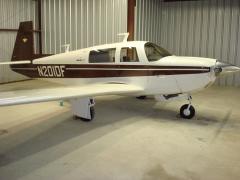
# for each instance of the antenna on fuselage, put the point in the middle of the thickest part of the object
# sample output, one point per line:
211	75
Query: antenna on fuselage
125	38
67	47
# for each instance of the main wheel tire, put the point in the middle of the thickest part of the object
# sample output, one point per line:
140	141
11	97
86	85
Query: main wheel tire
92	112
187	113
141	97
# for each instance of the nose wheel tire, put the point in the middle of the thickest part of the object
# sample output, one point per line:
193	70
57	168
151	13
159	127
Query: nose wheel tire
187	111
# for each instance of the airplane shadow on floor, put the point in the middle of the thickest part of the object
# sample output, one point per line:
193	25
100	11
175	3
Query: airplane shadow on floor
66	128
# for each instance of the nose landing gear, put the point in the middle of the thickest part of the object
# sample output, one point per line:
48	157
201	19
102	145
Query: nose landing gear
187	111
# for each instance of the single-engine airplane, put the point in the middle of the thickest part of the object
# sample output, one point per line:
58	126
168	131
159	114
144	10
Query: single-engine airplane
131	68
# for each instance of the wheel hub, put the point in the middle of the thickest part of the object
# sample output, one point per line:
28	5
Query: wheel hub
186	112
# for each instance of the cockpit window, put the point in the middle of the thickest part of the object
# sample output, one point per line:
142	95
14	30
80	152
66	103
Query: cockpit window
155	52
129	55
102	56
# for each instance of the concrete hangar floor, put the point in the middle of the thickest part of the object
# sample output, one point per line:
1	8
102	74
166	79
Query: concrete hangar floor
129	139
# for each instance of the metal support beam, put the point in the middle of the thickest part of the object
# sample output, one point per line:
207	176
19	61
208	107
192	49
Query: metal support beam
130	19
39	4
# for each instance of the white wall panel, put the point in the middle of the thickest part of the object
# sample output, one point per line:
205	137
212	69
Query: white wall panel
11	13
207	28
82	23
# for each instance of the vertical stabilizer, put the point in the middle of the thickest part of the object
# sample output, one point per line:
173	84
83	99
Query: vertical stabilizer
24	45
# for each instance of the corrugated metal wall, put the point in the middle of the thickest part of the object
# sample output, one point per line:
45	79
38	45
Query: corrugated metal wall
82	23
11	13
209	28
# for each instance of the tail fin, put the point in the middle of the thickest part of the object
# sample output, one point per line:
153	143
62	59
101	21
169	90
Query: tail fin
24	44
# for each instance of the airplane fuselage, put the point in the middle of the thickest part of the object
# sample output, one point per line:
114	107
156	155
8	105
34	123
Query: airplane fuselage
168	75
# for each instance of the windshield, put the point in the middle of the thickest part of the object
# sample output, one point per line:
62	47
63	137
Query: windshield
155	52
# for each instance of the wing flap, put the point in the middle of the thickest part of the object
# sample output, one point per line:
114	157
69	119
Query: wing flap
62	93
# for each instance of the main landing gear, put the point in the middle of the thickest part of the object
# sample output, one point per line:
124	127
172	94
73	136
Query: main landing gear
187	111
83	109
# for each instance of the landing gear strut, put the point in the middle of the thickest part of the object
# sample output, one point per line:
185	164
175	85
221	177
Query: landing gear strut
187	111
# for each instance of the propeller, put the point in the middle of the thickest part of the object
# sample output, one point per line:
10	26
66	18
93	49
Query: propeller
221	68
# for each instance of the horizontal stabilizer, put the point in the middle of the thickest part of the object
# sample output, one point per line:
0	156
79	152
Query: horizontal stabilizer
15	62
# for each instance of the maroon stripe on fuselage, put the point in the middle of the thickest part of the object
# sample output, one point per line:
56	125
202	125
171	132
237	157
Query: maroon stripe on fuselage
99	71
125	66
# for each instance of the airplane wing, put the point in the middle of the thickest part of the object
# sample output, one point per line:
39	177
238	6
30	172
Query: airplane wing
62	93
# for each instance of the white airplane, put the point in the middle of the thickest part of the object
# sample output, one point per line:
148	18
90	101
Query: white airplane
130	68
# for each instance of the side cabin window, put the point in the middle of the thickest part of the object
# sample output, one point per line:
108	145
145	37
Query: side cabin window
129	55
102	56
154	52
